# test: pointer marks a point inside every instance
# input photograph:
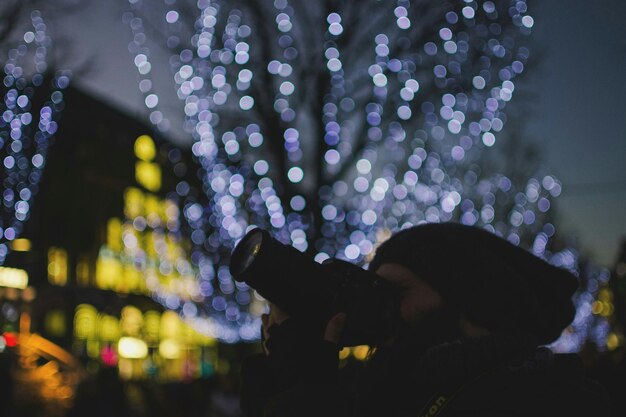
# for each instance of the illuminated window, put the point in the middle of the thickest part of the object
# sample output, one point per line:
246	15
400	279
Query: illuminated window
148	174
108	270
83	275
144	148
152	323
85	322
150	246
93	348
21	245
170	325
133	203
13	278
169	349
109	328
133	280
132	348
153	209
114	234
131	322
612	341
170	211
55	324
57	266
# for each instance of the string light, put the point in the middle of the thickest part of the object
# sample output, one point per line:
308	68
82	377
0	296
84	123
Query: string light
378	125
25	128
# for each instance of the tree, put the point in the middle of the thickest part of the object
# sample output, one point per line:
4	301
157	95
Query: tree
333	124
30	112
10	10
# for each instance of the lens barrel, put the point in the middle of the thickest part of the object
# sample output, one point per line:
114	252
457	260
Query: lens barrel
312	292
283	275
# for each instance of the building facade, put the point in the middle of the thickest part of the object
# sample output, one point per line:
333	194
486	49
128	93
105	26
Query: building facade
104	234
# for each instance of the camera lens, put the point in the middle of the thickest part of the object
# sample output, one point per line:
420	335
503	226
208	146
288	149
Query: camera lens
314	293
247	251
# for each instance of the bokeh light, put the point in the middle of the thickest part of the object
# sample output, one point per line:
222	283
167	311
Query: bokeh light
26	126
380	130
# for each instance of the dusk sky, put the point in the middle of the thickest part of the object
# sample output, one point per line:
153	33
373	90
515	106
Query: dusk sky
579	113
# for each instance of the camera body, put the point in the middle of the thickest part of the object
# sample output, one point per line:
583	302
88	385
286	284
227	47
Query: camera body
312	293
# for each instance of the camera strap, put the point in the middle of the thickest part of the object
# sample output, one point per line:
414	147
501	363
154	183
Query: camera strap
442	397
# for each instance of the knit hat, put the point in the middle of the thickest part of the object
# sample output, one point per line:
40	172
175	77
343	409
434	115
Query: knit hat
496	284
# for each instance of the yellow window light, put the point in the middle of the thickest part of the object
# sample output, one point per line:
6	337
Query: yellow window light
205	340
85	321
132	348
169	349
109	328
21	245
125	368
153	208
605	295
131	322
189	334
597	307
170	325
148	174
133	202
108	270
93	348
170	210
149	243
83	273
612	341
132	279
114	234
13	278
57	266
54	323
152	323
145	148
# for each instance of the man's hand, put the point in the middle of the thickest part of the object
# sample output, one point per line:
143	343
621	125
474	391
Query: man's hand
334	327
276	316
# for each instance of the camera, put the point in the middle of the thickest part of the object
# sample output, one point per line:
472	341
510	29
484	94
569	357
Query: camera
312	292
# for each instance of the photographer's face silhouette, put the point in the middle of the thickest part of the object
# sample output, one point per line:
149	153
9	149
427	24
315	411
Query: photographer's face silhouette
419	299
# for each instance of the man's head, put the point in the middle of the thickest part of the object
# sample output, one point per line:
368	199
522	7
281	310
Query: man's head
493	284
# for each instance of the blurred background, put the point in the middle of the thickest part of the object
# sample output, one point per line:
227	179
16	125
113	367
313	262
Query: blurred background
141	140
